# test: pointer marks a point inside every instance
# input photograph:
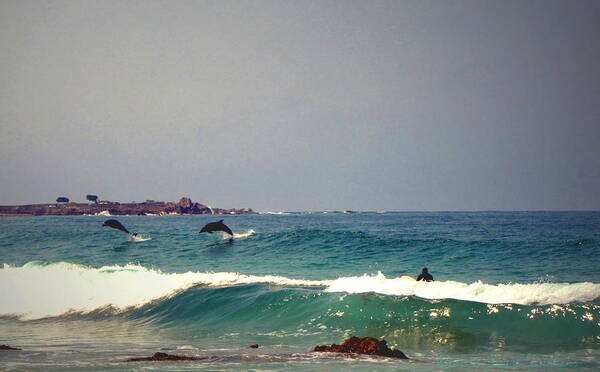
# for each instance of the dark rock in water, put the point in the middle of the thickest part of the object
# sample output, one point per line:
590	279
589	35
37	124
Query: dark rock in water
365	345
6	347
255	346
158	357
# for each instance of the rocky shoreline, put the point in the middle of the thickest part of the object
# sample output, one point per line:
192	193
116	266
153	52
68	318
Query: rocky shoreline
354	345
185	206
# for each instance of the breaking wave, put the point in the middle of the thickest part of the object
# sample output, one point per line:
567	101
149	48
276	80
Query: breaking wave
523	294
38	290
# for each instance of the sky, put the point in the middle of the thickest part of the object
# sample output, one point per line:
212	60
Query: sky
303	105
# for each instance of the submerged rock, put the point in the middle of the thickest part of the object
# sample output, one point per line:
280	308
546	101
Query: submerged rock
157	357
6	347
365	345
255	346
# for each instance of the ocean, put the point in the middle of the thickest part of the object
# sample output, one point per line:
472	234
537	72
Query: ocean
512	291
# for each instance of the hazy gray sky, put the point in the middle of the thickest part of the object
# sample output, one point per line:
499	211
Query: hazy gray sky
303	105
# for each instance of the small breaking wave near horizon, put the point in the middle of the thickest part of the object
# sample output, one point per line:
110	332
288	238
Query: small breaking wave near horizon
38	290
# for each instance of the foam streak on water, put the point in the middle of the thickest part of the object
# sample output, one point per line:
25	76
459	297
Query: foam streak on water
244	234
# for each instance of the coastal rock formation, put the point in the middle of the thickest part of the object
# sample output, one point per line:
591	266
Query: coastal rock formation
106	208
185	205
6	347
203	209
159	357
365	345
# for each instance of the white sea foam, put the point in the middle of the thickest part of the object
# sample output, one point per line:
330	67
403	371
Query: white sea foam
244	235
35	291
139	238
524	294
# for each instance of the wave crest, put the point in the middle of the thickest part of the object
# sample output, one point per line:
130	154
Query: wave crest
38	290
522	294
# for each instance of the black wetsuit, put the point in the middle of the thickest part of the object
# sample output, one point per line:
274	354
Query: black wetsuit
426	277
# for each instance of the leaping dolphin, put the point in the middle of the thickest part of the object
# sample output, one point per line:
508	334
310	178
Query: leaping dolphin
216	226
117	225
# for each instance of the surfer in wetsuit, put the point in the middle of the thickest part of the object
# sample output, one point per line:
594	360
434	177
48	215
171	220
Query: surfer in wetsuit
425	275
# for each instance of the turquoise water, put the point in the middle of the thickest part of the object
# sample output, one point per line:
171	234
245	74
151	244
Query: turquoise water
513	290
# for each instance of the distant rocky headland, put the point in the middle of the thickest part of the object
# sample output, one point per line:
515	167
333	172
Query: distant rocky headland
185	206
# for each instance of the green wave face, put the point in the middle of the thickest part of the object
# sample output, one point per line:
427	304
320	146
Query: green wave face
406	322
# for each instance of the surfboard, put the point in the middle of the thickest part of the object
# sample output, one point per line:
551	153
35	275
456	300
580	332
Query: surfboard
406	277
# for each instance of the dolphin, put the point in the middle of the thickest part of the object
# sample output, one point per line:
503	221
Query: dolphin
216	226
117	225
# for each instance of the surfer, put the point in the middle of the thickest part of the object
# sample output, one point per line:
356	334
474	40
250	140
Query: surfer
425	276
